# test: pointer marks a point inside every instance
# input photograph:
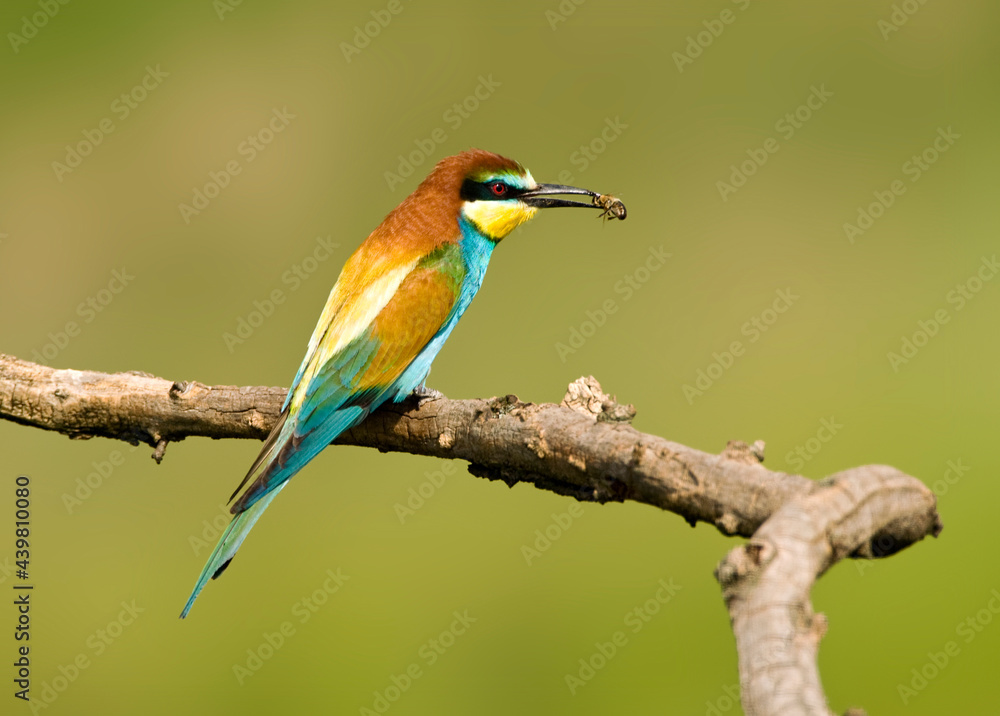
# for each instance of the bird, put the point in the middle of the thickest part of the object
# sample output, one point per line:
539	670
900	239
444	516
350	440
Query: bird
396	301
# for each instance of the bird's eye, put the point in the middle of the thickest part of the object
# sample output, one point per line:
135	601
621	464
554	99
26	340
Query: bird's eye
499	188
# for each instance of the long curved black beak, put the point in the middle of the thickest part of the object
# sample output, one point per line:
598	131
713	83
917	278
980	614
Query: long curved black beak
541	196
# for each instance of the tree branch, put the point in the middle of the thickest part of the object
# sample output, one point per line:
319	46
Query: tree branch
585	448
766	582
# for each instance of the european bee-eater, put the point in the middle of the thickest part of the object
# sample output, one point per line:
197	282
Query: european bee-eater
395	303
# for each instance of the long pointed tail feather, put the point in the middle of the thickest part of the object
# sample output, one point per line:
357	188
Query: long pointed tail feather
229	543
283	454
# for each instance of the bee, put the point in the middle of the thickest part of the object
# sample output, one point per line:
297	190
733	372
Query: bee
612	206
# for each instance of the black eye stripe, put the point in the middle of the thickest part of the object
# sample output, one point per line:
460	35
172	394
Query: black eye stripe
483	191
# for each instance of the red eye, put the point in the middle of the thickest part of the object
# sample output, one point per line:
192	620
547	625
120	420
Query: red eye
499	188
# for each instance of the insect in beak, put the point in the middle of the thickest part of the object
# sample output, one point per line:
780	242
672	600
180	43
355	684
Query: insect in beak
612	206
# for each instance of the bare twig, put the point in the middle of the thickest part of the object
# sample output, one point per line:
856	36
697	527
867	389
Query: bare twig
586	448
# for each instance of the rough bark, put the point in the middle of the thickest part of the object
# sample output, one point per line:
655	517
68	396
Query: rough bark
585	448
766	582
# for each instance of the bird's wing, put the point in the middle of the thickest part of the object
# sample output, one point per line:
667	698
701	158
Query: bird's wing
367	282
356	363
348	311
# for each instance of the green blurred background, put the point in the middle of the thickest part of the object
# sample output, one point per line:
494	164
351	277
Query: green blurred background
556	75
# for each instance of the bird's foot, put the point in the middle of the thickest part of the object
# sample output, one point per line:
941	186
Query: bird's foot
422	393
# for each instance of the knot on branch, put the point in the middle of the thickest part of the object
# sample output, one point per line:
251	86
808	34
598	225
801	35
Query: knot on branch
161	449
739	451
741	562
585	396
187	390
508	404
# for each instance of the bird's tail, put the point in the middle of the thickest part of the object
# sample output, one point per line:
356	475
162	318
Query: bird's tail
229	543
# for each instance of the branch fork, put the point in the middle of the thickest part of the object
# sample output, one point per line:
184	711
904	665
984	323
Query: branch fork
585	448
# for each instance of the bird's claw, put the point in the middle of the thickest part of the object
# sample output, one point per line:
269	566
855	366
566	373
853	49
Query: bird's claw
422	393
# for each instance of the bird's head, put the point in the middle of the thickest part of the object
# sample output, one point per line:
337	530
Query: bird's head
497	194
